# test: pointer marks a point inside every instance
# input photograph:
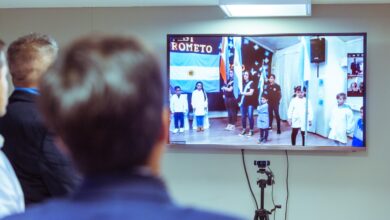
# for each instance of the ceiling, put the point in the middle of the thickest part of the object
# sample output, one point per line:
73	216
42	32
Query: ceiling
135	3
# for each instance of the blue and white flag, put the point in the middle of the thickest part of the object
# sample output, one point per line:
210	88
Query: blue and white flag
193	59
237	89
305	41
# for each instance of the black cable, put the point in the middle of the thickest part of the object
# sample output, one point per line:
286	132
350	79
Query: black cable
247	178
272	192
285	213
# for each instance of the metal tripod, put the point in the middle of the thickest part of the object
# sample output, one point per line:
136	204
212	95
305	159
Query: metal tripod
263	214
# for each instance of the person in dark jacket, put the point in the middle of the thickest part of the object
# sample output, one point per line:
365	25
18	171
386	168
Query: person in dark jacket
273	92
108	112
42	170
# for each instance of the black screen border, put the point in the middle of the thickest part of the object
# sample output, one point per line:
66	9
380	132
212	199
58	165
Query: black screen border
276	147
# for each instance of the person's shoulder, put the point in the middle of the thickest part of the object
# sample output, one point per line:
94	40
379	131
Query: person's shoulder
195	214
67	210
42	211
21	96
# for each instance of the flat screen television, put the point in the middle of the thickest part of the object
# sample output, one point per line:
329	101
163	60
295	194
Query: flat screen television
276	91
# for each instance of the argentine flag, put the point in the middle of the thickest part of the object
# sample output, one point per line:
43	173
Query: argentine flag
190	62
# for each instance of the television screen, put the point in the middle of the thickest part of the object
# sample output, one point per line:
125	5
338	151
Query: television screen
282	91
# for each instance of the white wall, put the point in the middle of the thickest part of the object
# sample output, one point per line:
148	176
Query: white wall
322	185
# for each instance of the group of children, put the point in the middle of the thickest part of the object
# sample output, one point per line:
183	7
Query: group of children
296	116
179	107
341	121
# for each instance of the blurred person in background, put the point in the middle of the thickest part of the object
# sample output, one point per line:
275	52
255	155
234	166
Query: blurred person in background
11	195
43	171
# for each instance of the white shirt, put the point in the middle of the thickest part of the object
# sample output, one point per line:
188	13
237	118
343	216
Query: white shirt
296	112
179	104
198	102
341	123
11	194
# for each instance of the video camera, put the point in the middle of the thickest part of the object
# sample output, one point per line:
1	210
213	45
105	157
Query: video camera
263	214
262	163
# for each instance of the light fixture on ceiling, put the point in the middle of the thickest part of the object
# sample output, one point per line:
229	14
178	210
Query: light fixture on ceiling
265	8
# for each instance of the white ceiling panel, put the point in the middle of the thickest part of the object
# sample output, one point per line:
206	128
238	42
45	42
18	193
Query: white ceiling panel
137	3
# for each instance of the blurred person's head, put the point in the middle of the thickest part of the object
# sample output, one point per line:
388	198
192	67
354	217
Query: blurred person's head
264	99
271	78
199	86
354	86
3	79
300	91
29	57
341	98
246	76
231	74
104	98
361	86
177	90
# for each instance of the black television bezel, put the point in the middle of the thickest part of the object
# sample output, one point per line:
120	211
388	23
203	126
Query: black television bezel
276	147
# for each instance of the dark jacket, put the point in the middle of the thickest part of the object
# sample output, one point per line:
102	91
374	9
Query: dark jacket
40	167
118	196
273	93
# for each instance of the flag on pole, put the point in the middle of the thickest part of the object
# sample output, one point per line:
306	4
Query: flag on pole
237	89
223	66
305	41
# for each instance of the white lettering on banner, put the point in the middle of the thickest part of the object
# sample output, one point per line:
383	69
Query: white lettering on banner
191	47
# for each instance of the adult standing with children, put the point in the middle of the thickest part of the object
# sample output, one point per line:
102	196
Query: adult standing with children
273	92
230	102
247	104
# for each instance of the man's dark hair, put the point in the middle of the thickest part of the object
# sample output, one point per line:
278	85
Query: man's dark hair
177	87
105	98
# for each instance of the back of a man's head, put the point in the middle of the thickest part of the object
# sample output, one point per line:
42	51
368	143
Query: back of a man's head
29	57
104	98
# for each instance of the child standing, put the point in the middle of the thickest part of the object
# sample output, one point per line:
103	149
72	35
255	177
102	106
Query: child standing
199	104
297	114
341	121
357	140
263	119
178	106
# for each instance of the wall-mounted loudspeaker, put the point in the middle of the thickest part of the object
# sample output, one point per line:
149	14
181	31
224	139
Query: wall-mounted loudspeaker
317	50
